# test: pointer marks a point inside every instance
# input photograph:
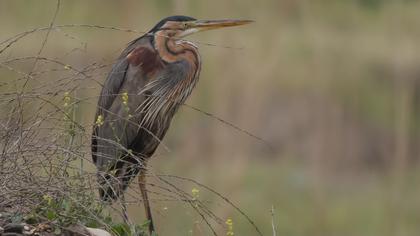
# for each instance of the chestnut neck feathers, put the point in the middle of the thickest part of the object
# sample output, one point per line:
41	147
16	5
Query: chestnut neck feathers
168	93
172	49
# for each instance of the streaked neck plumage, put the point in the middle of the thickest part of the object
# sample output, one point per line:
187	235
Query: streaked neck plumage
171	50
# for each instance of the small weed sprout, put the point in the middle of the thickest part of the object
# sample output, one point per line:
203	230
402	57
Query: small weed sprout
69	114
229	223
195	194
69	109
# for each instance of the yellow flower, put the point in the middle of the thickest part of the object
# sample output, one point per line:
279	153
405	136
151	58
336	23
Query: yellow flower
99	120
195	193
229	222
124	98
67	99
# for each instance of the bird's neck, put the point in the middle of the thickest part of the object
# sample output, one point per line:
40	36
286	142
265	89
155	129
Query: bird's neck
173	50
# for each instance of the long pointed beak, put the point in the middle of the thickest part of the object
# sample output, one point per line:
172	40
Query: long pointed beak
202	25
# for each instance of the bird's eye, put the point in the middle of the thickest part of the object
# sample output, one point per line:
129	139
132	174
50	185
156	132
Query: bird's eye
185	25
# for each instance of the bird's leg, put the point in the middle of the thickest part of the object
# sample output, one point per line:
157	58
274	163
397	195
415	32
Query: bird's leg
142	184
124	210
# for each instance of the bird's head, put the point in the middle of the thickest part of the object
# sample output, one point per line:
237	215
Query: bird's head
181	26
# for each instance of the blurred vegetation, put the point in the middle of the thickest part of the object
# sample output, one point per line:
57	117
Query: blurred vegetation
334	86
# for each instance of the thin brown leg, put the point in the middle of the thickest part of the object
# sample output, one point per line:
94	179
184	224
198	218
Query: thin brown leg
124	210
142	184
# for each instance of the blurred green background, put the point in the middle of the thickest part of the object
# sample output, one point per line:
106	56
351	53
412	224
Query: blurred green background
334	86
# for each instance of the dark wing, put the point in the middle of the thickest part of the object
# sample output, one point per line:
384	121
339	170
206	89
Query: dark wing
108	146
110	91
117	76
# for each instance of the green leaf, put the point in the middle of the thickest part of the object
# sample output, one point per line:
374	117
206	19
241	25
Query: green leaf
121	229
51	215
